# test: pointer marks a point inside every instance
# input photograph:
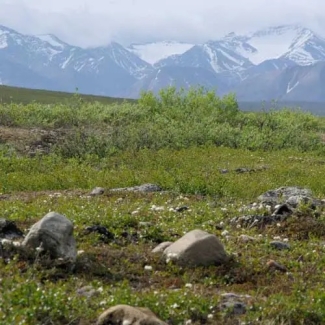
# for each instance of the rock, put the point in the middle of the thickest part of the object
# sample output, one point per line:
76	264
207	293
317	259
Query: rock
161	247
282	194
279	245
243	170
233	307
87	291
105	235
181	208
9	230
246	238
53	234
97	191
128	315
234	304
260	221
297	200
283	209
145	188
196	248
8	248
233	296
273	265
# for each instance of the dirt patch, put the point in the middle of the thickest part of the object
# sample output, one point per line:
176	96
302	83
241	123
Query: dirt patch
31	141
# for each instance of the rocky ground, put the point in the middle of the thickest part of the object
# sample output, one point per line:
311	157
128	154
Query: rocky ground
276	222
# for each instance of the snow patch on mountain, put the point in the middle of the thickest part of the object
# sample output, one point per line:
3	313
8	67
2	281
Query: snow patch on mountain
290	88
154	52
3	38
3	43
271	43
213	58
66	62
52	40
301	57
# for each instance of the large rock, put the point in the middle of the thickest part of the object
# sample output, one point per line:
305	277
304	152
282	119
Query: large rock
53	234
197	248
128	315
282	194
144	188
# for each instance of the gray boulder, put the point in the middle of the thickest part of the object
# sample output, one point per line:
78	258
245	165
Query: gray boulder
234	304
53	234
124	314
282	194
233	307
144	188
196	248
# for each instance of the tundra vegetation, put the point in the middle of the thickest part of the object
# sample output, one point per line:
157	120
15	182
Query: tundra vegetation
206	155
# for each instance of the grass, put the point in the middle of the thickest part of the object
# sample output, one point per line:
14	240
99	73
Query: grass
280	148
25	96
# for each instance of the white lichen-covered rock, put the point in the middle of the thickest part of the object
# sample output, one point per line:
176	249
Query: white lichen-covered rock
128	315
53	234
197	248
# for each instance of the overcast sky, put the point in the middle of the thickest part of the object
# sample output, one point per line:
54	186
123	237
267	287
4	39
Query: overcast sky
97	22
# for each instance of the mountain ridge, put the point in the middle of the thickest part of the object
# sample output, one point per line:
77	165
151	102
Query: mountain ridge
246	64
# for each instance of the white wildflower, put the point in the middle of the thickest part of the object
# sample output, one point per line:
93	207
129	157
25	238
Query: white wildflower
148	268
225	233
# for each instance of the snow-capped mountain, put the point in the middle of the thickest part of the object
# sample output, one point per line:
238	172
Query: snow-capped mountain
156	51
293	42
49	63
277	62
239	52
211	55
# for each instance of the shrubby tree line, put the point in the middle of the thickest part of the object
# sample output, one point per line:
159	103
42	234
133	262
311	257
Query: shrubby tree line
173	119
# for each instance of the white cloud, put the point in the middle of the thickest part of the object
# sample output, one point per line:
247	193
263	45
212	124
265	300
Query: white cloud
96	22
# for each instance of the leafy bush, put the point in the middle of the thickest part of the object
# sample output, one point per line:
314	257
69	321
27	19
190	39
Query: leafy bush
172	119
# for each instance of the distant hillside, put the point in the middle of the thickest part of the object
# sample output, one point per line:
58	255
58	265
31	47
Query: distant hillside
26	96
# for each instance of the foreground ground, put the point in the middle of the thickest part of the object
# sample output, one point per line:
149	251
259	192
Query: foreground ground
207	156
117	270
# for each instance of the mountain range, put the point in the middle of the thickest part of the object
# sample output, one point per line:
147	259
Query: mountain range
284	63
